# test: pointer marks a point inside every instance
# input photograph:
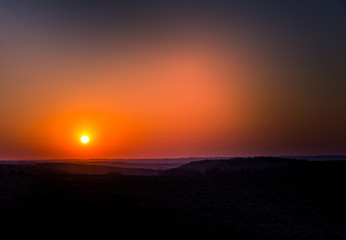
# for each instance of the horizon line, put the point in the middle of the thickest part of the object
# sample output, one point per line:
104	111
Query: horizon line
161	158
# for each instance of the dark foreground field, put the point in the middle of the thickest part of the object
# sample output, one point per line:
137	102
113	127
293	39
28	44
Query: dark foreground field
166	206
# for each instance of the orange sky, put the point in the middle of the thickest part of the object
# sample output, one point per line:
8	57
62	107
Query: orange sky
169	97
191	90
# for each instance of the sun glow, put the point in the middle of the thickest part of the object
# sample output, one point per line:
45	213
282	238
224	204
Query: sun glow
85	139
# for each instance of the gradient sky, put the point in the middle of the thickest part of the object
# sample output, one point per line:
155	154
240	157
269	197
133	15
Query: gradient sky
149	79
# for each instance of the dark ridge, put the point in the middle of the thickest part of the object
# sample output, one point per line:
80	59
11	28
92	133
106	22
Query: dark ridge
243	198
267	167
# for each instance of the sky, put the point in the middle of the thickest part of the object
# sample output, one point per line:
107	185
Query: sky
153	79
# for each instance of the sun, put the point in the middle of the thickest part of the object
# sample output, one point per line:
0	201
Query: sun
84	139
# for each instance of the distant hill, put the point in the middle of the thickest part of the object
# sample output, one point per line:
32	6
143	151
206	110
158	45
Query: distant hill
260	167
267	167
320	157
45	168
